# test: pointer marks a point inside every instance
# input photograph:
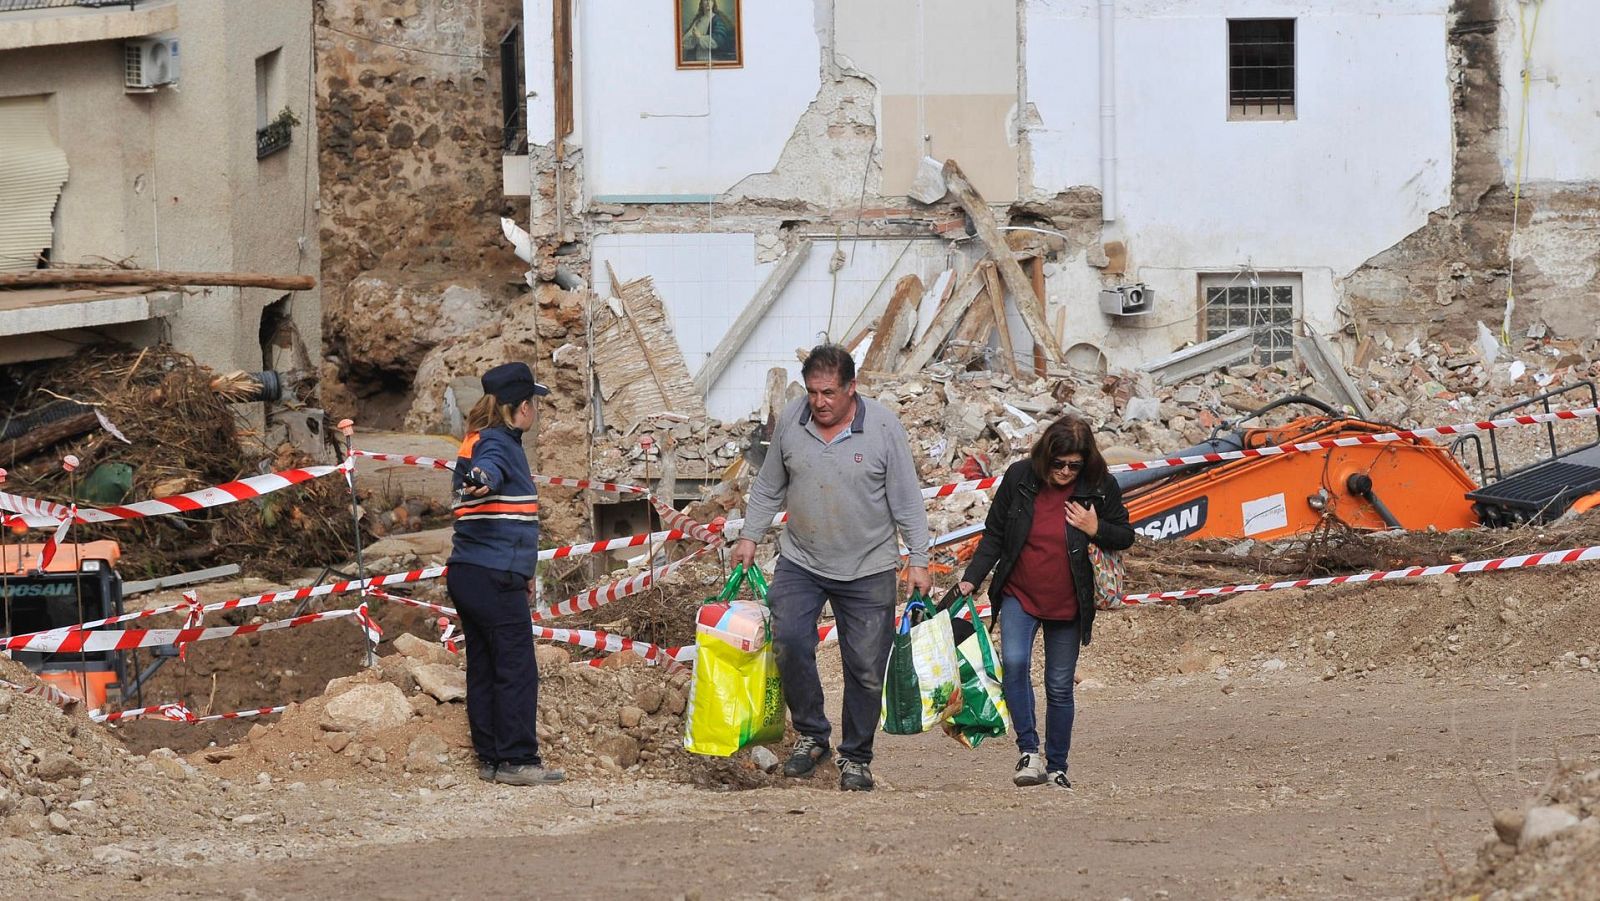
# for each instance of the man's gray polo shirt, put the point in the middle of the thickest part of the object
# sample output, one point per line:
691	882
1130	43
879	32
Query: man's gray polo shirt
846	499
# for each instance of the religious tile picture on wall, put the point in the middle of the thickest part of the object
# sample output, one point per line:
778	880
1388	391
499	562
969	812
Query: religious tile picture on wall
709	34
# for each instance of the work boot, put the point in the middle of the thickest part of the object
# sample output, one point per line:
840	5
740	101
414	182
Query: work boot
486	770
807	753
1059	780
854	776
1030	770
527	774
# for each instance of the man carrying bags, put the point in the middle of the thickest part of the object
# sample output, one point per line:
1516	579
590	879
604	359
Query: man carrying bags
843	465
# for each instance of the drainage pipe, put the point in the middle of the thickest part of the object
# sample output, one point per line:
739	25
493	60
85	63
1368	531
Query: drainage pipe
1108	111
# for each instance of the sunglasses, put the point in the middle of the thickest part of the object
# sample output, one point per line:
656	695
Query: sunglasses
1068	465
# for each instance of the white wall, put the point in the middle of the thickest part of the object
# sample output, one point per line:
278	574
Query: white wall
651	130
1562	137
1366	159
706	280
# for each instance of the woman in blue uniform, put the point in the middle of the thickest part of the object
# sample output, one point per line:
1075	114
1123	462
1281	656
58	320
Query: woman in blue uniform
496	545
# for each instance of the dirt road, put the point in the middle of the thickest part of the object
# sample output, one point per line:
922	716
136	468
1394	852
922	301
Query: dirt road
1285	786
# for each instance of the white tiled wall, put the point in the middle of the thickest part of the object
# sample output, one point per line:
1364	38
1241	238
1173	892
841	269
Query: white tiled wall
706	280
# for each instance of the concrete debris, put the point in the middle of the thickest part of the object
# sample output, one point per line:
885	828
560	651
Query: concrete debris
367	708
445	682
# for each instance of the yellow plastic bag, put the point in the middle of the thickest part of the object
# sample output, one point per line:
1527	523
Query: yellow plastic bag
735	697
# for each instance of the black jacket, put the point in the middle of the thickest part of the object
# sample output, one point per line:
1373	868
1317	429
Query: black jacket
1010	519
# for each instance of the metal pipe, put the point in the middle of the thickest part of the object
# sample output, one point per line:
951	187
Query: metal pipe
1108	111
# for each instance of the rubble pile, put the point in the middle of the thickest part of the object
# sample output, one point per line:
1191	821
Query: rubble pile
152	423
406	720
1547	848
990	418
70	792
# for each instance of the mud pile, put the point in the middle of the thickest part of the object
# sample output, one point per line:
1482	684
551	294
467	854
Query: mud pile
1547	848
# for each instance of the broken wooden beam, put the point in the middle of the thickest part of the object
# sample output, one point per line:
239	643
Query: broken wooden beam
997	302
894	327
1201	358
36	277
944	320
1029	304
742	327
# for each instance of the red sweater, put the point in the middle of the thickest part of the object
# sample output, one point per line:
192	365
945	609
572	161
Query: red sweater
1042	577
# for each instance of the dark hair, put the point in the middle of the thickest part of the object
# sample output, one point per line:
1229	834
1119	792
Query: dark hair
1069	435
829	358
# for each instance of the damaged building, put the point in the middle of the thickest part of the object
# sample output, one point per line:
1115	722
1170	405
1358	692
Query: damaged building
167	135
1317	173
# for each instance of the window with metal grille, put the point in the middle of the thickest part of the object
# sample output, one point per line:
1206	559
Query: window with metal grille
1264	305
1260	68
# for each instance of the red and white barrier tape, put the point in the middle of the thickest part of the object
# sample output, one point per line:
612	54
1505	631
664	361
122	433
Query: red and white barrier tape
177	713
602	595
46	514
612	544
1547	558
57	538
1465	428
42	690
73	642
560	481
677	519
382	595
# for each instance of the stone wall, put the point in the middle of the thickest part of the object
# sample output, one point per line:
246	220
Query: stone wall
411	143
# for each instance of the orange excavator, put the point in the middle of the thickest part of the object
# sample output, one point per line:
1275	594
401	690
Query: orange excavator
79	585
1410	484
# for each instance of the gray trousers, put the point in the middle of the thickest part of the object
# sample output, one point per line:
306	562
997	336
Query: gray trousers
863	611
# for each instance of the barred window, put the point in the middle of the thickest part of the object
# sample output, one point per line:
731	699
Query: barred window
1264	305
1261	69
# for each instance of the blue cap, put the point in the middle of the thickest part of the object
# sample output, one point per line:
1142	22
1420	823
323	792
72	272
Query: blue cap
512	383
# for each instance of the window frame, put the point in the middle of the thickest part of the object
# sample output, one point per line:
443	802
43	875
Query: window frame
1235	280
1258	112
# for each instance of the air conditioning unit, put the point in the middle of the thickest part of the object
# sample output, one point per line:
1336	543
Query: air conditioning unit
150	63
1127	300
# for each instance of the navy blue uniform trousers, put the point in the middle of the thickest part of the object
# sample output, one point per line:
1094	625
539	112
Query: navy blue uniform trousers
502	672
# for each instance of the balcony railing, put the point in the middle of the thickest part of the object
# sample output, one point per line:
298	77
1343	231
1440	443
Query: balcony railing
274	137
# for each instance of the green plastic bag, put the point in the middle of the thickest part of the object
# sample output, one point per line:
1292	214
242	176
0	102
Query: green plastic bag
922	683
735	696
983	711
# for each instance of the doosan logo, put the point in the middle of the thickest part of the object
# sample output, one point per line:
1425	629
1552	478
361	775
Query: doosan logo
38	590
1174	523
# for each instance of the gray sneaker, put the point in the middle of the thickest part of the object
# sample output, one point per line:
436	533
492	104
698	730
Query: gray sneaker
1059	780
1030	770
527	774
854	776
807	753
486	771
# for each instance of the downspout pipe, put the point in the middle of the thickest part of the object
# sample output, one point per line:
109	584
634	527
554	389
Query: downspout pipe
1108	111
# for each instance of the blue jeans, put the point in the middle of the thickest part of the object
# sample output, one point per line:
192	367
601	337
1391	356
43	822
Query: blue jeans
863	611
1017	630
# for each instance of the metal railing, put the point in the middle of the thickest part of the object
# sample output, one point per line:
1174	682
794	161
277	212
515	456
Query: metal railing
274	137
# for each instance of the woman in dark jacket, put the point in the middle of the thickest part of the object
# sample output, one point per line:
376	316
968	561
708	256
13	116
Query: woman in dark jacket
492	558
1047	511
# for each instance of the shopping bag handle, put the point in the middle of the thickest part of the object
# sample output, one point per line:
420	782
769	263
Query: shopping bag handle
918	605
738	577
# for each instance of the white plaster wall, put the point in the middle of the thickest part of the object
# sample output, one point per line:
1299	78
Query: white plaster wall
538	70
706	280
653	131
1366	159
1562	137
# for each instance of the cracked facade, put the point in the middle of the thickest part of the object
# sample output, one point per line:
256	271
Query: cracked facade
1384	203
